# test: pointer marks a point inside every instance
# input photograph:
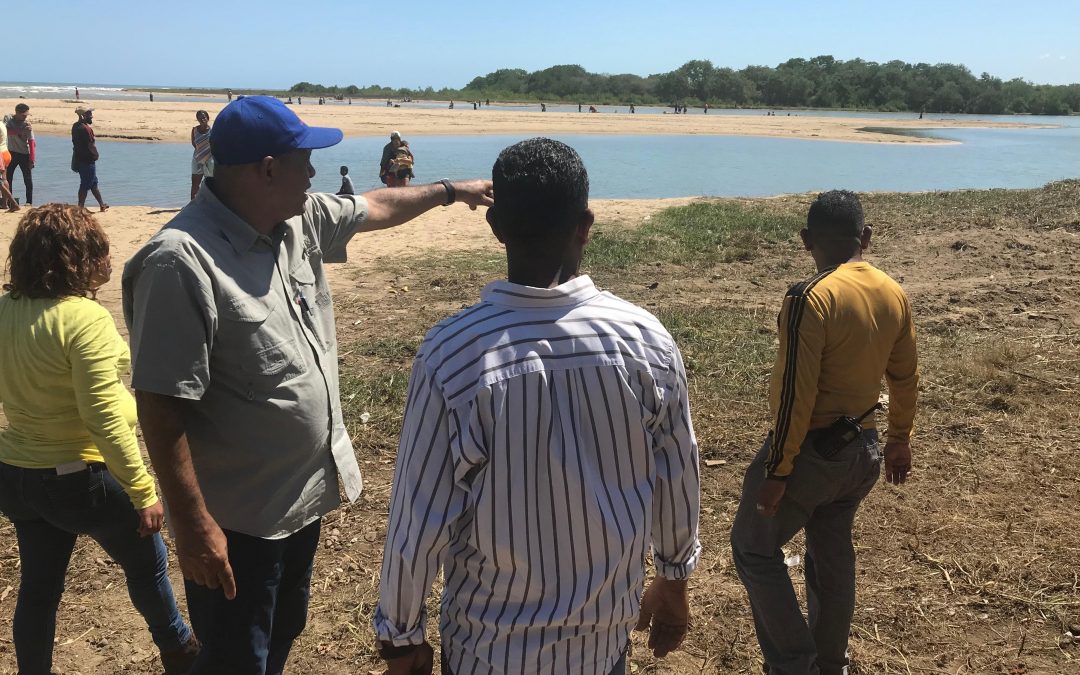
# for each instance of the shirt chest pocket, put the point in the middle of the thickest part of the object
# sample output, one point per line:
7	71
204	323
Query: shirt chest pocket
256	349
311	303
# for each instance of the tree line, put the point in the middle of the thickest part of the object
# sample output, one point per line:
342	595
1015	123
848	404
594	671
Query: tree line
819	82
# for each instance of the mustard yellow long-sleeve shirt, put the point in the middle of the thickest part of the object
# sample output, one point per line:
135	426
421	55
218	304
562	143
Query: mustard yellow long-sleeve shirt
60	367
840	331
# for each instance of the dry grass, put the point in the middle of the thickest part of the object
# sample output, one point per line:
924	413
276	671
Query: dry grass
971	568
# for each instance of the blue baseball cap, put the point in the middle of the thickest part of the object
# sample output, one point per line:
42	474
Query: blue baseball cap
254	127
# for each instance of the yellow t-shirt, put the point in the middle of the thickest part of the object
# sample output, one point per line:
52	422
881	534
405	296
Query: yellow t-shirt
840	331
60	387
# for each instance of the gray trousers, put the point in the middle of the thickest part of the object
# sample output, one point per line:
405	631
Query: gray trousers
822	496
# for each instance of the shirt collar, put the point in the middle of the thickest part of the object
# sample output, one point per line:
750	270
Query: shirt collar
237	231
574	292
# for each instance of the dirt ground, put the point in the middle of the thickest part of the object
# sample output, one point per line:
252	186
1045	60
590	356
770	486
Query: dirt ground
973	567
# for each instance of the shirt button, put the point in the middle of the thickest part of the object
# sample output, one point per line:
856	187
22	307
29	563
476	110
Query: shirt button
251	395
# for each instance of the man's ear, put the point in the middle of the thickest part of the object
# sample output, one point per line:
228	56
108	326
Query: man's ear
864	239
267	167
490	216
807	239
584	226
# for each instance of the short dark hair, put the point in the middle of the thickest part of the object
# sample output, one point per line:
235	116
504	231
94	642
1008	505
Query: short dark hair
200	113
540	187
836	214
21	108
57	251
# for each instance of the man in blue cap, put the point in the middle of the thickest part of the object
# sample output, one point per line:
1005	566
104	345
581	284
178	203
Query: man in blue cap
235	371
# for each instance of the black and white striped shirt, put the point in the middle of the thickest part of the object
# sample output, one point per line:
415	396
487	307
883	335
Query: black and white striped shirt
547	443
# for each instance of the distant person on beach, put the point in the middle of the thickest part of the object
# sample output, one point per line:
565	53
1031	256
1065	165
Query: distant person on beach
543	107
401	165
76	93
151	97
547	387
228	92
202	163
346	183
451	105
70	463
706	108
23	148
7	200
632	109
592	108
84	156
235	369
396	164
841	331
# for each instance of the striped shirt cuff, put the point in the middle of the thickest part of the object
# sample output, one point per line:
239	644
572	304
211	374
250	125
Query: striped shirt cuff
386	631
678	571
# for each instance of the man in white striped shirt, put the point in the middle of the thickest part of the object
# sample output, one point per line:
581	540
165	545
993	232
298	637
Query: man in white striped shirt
547	443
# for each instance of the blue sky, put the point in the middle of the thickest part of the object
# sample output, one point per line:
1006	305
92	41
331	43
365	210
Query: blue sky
275	43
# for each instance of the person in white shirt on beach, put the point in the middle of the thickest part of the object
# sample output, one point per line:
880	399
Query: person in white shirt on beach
546	445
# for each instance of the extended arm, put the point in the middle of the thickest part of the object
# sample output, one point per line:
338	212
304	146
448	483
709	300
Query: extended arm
389	207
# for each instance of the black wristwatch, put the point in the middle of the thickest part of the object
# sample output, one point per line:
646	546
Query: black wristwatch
451	193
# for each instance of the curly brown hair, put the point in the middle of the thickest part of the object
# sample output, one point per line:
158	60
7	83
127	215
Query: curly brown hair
57	251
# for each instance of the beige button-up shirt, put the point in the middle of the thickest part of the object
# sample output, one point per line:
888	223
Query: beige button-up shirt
242	325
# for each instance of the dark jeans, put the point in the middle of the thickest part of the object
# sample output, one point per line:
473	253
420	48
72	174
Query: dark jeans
252	634
22	161
822	496
48	512
619	669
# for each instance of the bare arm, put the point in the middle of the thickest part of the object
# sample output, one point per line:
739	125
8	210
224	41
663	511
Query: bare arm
193	136
201	547
389	207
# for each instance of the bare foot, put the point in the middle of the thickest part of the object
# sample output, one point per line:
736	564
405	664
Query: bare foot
13	208
104	208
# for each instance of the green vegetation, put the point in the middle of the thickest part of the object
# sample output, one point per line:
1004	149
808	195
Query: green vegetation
696	236
820	82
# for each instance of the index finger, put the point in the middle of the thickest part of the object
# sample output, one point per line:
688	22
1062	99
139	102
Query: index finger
228	582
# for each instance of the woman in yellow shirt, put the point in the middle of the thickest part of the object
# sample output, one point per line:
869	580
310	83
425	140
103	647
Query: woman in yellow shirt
69	460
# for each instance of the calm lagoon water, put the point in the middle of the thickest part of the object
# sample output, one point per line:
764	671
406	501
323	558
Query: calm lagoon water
157	174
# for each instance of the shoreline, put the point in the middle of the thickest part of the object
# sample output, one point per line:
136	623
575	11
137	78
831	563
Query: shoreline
142	121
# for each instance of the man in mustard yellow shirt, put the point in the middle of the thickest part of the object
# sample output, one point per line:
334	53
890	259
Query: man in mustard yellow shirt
841	330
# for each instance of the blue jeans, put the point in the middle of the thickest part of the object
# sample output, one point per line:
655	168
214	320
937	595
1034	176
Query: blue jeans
822	497
252	634
49	512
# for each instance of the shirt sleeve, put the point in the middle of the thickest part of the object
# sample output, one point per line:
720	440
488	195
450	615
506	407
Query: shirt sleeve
677	497
425	505
172	319
795	375
902	376
335	219
94	354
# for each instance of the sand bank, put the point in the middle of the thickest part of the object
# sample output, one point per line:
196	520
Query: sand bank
172	122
